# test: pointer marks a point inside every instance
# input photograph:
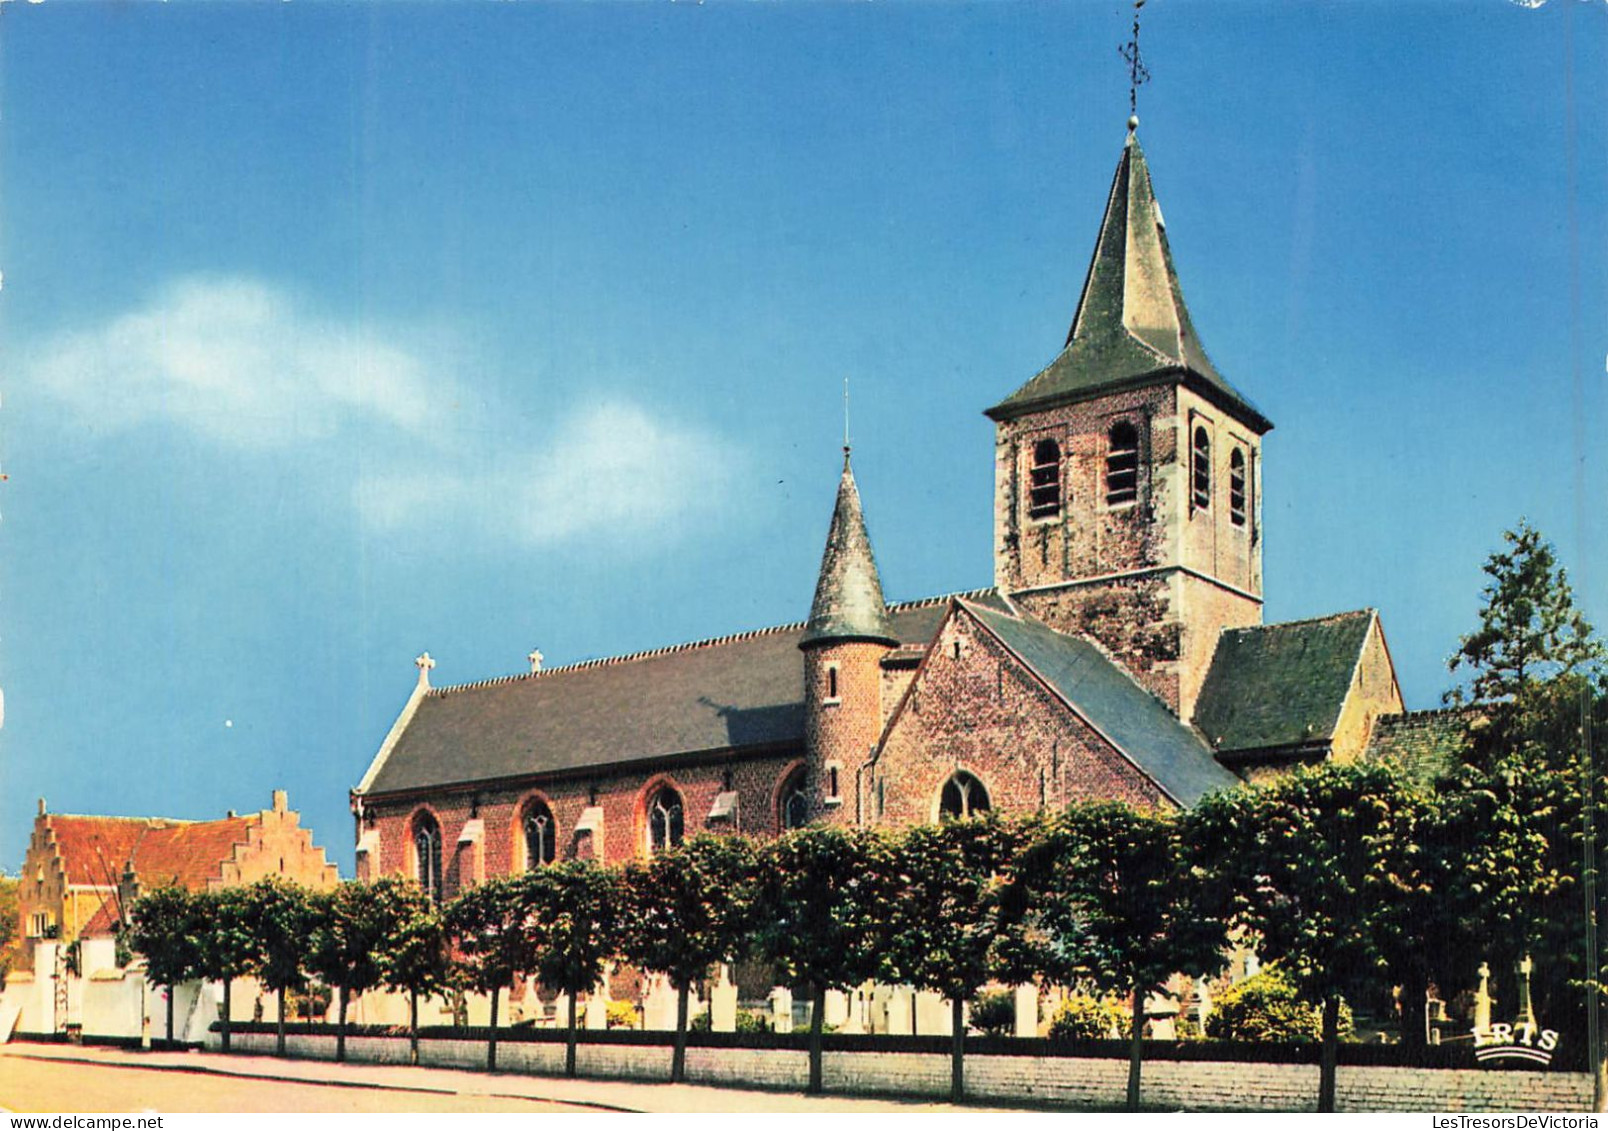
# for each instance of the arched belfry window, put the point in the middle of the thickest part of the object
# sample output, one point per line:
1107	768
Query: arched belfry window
1201	470
1044	492
1236	487
963	796
666	824
794	806
541	840
427	855
1122	464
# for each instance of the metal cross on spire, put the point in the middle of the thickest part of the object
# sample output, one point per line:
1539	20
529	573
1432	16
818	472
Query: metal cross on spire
845	416
1138	73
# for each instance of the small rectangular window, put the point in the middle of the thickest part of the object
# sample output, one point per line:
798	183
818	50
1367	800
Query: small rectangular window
1236	488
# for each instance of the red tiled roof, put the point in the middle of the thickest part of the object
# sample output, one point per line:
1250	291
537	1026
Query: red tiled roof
95	850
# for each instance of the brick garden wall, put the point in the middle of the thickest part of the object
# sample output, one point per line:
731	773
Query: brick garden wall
1069	1081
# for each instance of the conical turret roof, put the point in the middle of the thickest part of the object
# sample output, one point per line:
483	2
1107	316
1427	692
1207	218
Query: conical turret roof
1132	327
848	597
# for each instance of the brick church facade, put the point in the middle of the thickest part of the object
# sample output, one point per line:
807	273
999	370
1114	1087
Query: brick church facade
1119	653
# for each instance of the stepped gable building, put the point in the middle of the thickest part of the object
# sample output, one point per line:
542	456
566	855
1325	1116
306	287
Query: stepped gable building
82	874
1120	652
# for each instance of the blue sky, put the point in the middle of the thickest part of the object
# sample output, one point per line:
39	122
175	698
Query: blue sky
335	333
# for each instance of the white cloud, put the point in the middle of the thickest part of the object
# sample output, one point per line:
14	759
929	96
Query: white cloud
612	465
235	360
247	366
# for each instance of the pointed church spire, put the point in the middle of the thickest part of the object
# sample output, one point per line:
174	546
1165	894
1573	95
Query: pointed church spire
848	597
1131	327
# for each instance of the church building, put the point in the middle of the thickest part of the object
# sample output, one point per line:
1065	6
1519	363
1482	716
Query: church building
1120	652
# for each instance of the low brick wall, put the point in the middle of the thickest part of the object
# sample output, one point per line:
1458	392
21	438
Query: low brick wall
1060	1081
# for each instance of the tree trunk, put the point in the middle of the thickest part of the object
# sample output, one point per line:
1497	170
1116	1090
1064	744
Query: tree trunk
171	991
569	1049
678	1059
1136	1047
817	1019
227	983
279	1043
957	1050
413	1027
1331	1052
491	1040
340	1030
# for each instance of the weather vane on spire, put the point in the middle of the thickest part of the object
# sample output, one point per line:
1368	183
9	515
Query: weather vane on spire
1138	73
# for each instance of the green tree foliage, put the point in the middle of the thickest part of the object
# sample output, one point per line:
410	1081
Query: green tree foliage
9	940
490	927
1268	1007
575	915
416	960
166	932
1320	866
993	1013
279	914
1535	675
353	927
940	925
1104	890
820	905
230	946
685	910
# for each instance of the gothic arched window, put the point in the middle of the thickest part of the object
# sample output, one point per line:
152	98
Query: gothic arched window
1201	470
963	796
1236	487
665	821
1122	464
794	807
427	855
1044	494
541	839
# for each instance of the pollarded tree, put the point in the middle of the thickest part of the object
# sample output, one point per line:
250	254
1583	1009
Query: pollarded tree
417	960
166	930
1104	887
1320	865
279	914
489	926
821	899
943	920
230	947
353	927
575	926
686	910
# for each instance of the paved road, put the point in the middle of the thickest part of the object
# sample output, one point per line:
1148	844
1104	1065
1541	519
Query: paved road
28	1085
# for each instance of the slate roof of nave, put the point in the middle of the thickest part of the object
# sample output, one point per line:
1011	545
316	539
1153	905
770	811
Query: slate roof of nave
1278	686
1140	725
735	692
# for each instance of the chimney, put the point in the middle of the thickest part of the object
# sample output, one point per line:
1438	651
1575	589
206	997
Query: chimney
281	801
41	806
230	814
535	659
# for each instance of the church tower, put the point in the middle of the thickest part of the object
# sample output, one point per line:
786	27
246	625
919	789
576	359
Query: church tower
847	635
1128	472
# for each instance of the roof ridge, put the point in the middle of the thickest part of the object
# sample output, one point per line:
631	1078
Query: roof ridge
1459	709
1367	610
139	820
673	649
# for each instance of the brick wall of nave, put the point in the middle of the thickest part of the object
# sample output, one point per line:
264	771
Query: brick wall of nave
622	794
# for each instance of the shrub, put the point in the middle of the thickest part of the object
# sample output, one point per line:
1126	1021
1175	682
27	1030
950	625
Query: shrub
1084	1018
753	1021
1267	1007
993	1013
624	1015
